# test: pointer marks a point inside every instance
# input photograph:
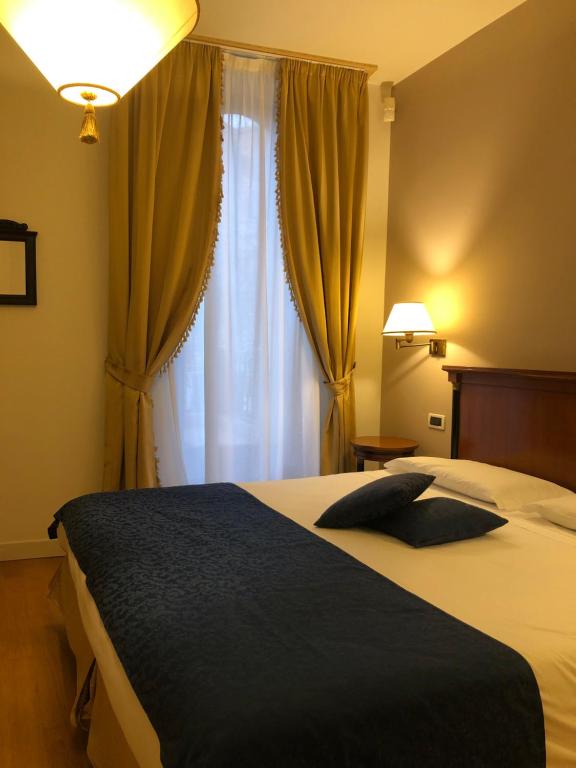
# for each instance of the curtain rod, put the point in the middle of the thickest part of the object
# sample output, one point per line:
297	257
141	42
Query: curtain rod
280	53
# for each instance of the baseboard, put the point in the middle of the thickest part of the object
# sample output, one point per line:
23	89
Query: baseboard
25	550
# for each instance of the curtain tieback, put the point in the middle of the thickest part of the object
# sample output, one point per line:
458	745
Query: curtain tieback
138	381
340	387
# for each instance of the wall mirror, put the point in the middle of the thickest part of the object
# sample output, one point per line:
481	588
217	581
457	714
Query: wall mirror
17	263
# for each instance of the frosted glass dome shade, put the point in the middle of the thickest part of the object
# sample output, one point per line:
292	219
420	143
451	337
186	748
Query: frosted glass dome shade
101	46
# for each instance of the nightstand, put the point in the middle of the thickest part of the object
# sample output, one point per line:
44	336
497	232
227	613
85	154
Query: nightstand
381	448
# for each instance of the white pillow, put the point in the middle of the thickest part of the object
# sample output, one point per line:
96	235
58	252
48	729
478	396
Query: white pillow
503	487
561	511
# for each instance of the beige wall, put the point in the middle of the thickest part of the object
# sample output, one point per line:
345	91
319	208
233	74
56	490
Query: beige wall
482	217
51	380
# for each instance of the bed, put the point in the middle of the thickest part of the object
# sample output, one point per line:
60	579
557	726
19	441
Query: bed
513	587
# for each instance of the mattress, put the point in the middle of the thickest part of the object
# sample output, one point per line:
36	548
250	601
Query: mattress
515	585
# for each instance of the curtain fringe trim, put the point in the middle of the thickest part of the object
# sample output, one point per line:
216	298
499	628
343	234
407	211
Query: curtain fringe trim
340	384
213	238
279	212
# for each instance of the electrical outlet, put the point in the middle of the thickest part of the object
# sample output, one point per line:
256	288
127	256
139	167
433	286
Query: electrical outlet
436	421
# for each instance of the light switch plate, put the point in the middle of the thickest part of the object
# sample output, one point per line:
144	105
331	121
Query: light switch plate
436	421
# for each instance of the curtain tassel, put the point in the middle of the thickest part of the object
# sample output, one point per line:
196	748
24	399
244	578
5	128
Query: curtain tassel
89	131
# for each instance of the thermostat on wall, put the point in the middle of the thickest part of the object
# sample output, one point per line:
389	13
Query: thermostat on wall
436	421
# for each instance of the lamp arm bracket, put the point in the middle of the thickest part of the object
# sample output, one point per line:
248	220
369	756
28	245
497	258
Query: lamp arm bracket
436	347
401	344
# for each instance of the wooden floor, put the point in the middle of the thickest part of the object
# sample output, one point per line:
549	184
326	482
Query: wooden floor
36	672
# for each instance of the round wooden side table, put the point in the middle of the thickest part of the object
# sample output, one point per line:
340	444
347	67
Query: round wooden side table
381	448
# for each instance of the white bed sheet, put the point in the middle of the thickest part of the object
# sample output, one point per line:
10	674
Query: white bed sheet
516	584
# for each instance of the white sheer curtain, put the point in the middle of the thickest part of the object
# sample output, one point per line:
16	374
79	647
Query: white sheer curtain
242	400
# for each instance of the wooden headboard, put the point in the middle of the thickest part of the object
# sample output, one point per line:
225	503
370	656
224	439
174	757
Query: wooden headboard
522	420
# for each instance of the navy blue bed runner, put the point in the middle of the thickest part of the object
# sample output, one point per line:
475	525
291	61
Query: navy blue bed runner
252	643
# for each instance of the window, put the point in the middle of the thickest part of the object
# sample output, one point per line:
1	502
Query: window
242	400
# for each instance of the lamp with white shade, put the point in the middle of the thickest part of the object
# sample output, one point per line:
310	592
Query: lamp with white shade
93	51
409	319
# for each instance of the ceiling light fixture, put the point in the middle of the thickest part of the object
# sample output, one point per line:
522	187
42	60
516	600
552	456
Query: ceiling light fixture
93	51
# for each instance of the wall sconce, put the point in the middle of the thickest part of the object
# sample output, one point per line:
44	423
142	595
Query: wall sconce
412	319
93	52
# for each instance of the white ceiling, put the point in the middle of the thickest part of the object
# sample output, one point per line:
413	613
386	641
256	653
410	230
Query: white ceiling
400	36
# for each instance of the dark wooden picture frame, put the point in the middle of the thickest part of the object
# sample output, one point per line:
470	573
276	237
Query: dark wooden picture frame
12	231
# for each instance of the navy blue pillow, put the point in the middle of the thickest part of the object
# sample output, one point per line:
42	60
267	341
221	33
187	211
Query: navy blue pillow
437	521
375	500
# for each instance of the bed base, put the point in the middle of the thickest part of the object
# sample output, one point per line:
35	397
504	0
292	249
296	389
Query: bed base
107	746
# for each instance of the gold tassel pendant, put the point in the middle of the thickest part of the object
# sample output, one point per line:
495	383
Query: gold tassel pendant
89	131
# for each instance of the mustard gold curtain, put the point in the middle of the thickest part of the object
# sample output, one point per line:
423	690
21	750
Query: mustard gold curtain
322	166
165	187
